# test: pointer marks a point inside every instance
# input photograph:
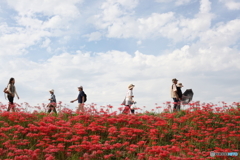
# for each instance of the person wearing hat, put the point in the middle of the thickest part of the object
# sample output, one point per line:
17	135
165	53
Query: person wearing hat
174	94
81	99
129	99
53	102
179	92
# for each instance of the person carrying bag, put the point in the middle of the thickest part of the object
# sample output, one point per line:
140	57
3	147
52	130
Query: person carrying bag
128	101
11	91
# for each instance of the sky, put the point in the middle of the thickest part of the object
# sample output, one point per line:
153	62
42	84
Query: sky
105	45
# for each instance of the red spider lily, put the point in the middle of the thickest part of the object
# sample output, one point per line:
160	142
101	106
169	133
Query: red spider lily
103	134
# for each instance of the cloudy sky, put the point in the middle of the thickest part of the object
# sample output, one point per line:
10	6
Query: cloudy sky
105	45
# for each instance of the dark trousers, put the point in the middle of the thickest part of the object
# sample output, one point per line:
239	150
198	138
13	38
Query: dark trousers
176	106
52	108
11	104
127	108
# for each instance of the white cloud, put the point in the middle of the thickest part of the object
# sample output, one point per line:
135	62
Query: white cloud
231	4
105	76
169	25
177	2
16	40
181	2
139	42
94	36
205	6
223	35
35	21
46	43
208	62
47	8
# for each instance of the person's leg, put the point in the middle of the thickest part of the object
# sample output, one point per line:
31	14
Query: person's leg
132	111
50	109
80	108
178	105
13	108
126	109
54	109
175	104
11	104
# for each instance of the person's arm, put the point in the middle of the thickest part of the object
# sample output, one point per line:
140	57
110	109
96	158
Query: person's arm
74	100
51	98
16	94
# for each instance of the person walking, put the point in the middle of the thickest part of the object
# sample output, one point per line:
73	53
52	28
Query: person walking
174	94
53	102
82	97
11	92
128	101
179	92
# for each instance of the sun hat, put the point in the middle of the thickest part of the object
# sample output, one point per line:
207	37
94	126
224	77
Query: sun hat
174	79
131	86
180	85
51	90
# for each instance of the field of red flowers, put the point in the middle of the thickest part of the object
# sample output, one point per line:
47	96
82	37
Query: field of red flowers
188	134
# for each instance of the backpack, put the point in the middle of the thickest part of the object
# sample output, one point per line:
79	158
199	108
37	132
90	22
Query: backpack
85	97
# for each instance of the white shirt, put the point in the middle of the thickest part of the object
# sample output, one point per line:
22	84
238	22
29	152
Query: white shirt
173	91
9	90
129	97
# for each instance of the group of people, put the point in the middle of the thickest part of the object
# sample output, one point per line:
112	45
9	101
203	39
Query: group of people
128	102
11	92
82	97
176	94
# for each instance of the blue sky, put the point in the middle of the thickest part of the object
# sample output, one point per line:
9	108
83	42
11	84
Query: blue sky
105	45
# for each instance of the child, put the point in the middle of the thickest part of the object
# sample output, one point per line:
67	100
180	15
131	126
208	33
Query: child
52	104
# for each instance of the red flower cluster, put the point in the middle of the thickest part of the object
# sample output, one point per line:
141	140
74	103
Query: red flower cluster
188	134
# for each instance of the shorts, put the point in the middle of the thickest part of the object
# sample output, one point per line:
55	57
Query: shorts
10	99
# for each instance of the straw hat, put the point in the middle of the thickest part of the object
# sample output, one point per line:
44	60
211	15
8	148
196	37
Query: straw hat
179	85
51	90
131	86
174	79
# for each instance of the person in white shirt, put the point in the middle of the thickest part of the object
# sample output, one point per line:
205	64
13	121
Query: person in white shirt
129	99
11	92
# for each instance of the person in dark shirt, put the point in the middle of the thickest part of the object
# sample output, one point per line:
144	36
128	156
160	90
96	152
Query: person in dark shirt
179	93
80	99
53	103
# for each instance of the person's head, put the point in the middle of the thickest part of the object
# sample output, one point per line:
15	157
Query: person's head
11	81
131	86
174	80
180	85
80	88
51	91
